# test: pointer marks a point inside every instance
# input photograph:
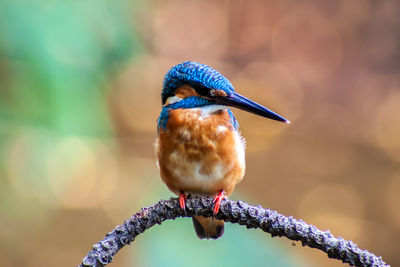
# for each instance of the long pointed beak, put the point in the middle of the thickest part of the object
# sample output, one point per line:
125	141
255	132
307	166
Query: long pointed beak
243	103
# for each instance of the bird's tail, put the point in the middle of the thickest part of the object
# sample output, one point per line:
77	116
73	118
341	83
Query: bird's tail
208	227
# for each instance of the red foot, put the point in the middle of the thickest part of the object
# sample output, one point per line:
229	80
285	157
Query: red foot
182	200
217	200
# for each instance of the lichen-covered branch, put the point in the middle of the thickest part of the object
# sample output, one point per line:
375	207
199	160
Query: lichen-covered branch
235	212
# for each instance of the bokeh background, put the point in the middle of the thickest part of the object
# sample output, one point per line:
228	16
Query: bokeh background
80	89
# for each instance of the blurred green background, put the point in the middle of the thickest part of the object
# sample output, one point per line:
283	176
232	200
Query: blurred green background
80	86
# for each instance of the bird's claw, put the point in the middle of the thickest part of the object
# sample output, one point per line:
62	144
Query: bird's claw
217	201
182	201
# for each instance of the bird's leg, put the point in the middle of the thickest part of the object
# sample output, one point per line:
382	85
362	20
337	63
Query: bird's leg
182	200
217	201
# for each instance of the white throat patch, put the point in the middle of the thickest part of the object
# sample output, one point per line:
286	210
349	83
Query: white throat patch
172	99
208	110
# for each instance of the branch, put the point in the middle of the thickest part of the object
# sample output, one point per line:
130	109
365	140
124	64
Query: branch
235	212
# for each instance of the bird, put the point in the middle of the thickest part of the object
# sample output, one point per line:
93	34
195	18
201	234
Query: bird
199	148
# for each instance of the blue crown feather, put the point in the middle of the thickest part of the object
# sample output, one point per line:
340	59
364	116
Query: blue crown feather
196	75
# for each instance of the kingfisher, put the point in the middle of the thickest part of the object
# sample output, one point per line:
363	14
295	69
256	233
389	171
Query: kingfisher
200	150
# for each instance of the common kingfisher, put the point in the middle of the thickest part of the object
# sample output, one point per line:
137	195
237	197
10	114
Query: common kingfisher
199	148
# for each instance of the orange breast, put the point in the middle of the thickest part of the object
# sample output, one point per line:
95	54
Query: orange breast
200	154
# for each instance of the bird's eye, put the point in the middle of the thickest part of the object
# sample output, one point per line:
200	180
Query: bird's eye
208	92
217	93
202	90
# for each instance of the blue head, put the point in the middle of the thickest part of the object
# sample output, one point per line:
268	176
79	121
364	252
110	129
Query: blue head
211	88
201	77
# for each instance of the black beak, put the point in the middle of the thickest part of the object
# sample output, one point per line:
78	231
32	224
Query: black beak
241	102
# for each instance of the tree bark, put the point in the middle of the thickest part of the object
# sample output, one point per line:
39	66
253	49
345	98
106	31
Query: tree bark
235	212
